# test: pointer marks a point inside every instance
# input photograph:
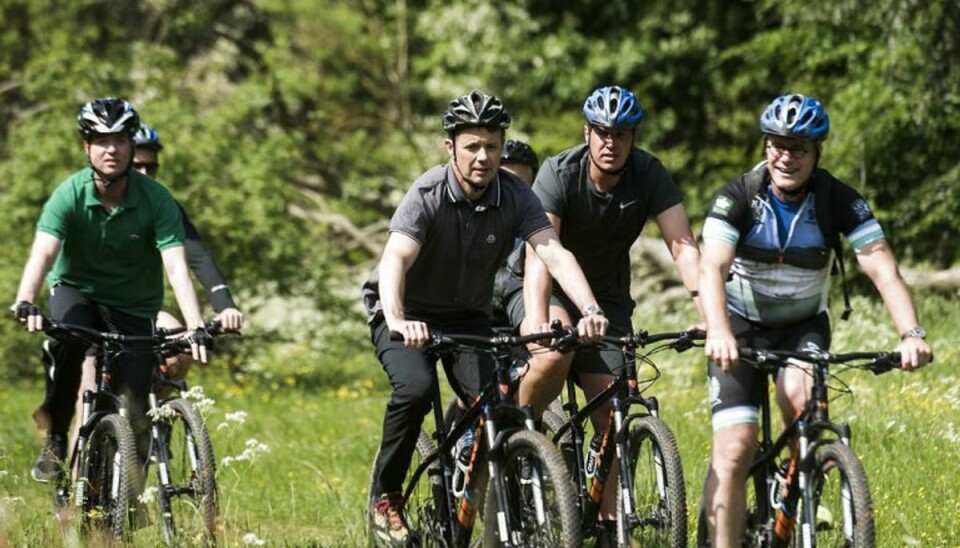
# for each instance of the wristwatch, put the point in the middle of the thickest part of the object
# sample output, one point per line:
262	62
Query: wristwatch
593	309
917	332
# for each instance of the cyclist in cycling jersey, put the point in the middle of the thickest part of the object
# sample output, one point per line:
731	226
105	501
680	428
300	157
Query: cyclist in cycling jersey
464	217
105	236
598	197
768	241
520	159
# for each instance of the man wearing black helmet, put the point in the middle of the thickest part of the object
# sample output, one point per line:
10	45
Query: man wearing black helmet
767	247
105	236
453	229
598	197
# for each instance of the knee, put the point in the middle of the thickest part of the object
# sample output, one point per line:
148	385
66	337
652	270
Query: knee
550	365
732	452
414	394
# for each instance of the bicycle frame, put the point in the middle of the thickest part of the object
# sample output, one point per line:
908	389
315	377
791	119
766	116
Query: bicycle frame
811	429
495	414
622	393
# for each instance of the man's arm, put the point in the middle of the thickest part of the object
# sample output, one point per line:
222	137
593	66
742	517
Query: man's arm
564	268
175	263
715	262
675	228
44	251
399	254
201	263
878	262
537	285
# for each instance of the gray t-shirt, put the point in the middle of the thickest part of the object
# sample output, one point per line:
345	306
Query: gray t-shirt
462	243
600	227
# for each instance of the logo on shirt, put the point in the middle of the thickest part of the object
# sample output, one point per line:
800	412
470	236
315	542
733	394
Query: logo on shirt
491	239
861	210
625	205
722	205
134	236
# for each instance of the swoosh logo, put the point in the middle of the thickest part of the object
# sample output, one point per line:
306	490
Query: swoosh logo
625	205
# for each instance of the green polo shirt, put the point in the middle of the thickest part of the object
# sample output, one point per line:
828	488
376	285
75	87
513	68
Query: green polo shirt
113	257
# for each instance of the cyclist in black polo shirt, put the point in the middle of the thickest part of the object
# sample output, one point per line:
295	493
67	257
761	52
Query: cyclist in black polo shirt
598	196
451	232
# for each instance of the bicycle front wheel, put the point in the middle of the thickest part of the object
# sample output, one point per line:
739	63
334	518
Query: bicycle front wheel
659	513
108	480
542	507
842	510
190	495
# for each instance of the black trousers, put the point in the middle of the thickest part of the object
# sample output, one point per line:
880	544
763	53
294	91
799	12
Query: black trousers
411	372
63	360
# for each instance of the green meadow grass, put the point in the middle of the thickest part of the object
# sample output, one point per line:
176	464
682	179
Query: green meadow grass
310	444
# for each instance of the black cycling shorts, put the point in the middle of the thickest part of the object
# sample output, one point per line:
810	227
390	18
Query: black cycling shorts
735	395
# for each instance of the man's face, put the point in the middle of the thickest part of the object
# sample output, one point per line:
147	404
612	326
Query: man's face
476	155
146	161
523	171
609	147
110	154
790	161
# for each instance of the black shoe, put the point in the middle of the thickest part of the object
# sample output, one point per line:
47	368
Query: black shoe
49	463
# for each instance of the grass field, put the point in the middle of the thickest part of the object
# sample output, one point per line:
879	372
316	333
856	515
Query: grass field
298	453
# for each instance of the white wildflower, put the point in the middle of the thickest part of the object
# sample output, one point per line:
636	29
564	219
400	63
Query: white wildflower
251	539
164	413
236	418
149	495
201	402
253	449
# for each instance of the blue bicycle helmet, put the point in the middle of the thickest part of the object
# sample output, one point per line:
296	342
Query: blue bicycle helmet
519	152
107	116
796	116
147	138
612	107
475	110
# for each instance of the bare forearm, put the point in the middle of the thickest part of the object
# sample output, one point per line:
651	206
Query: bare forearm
537	285
565	269
186	297
391	290
686	257
713	299
42	254
896	297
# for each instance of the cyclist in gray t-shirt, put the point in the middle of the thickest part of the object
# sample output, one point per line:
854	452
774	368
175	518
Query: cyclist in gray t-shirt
598	197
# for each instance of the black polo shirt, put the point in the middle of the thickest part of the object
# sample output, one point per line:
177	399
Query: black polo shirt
600	227
462	244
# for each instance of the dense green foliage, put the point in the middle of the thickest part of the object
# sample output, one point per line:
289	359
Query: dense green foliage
293	126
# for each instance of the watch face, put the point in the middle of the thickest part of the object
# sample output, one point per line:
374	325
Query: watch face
916	332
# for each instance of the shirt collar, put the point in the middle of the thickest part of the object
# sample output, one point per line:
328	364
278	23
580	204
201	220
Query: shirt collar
130	200
490	198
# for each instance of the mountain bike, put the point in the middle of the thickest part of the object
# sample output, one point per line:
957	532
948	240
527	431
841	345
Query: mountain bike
810	465
105	476
651	501
181	450
515	478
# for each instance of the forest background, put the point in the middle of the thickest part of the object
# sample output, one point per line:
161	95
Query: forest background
293	127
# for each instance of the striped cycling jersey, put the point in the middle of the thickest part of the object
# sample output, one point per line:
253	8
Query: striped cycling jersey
774	284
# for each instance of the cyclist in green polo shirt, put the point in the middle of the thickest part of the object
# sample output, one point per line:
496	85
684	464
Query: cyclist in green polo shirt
104	238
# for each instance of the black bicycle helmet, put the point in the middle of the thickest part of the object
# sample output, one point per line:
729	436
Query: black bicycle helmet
475	110
148	138
519	152
107	116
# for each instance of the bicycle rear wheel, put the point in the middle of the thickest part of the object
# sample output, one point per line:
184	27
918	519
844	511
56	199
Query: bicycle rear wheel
842	507
659	517
108	480
189	502
543	510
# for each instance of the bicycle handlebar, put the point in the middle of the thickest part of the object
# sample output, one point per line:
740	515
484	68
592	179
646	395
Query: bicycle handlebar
160	339
877	362
439	339
680	340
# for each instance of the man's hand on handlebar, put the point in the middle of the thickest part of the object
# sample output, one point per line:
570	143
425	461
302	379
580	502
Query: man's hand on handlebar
27	313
